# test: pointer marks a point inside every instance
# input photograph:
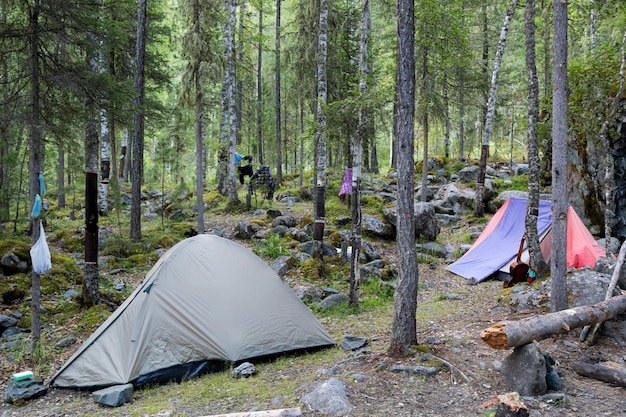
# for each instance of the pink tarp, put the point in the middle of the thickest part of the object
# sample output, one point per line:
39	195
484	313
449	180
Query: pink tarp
498	244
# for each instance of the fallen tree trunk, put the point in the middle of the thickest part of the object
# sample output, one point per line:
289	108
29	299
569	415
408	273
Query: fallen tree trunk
601	373
517	333
284	412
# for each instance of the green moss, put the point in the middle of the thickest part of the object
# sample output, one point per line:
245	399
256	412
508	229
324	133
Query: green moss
92	318
18	247
143	259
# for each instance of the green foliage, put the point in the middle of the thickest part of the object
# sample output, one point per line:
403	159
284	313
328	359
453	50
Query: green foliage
517	182
272	247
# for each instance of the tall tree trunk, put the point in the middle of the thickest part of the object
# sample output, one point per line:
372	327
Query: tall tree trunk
558	258
35	166
425	127
239	59
607	140
356	235
4	136
461	72
537	262
446	118
320	139
229	39
259	89
91	293
199	115
61	175
403	330
491	109
136	173
279	152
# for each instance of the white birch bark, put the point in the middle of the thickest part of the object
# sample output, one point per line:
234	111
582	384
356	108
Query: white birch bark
491	109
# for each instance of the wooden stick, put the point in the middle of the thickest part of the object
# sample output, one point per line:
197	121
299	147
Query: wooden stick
601	373
590	331
283	412
507	334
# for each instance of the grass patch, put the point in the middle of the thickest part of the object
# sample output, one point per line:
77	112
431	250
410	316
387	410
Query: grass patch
272	247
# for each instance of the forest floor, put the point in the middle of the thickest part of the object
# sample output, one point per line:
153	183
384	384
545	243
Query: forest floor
448	325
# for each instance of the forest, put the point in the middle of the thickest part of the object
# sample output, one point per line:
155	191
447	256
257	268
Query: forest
101	97
215	73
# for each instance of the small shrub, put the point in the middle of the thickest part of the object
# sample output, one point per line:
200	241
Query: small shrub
272	247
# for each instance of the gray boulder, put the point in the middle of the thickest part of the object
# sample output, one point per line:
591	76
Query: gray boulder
283	264
351	342
288	221
246	369
455	200
25	389
6	322
332	300
11	264
525	370
329	397
114	396
425	219
377	227
327	249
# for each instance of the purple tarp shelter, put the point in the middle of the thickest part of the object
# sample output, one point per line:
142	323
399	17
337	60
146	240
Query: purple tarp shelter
498	244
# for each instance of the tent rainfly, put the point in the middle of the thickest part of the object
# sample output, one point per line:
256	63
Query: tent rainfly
207	301
497	246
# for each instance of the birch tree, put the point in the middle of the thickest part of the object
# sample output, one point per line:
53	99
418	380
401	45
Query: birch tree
558	258
491	109
403	331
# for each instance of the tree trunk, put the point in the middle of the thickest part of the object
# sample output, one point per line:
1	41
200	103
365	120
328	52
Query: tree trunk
601	373
231	112
537	263
508	334
357	149
491	109
320	140
35	166
199	115
279	151
105	163
61	176
90	294
424	187
609	172
403	331
136	173
558	258
259	90
446	118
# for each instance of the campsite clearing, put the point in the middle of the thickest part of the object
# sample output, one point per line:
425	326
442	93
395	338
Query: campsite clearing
451	314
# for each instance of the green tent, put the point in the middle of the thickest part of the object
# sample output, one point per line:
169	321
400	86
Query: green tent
207	301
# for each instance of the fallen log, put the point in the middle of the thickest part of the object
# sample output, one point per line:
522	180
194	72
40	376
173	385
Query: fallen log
601	373
507	334
283	412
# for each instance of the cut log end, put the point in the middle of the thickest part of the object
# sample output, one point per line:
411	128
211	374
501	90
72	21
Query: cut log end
495	336
511	405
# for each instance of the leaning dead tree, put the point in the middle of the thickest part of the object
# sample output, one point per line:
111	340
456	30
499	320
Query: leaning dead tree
508	334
